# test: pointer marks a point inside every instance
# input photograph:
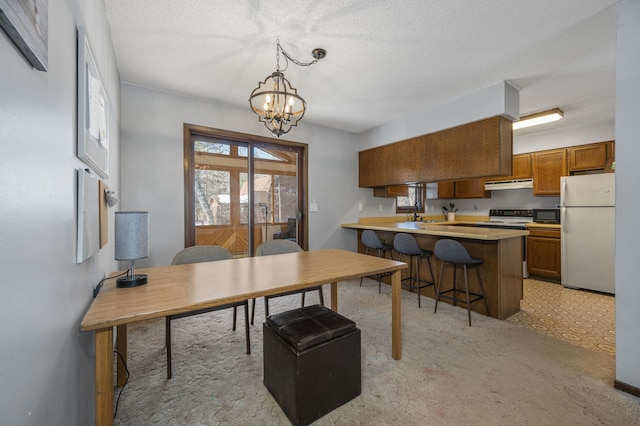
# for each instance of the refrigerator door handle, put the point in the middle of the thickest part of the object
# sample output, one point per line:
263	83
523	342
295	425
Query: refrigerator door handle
563	192
563	220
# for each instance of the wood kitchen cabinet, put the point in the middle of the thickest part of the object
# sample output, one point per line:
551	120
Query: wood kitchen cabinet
548	167
469	188
446	190
595	156
478	149
520	169
543	253
391	191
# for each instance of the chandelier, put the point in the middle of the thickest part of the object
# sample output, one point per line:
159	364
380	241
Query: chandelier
275	100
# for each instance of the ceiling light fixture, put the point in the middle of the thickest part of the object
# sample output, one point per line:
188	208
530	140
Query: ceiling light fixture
538	118
275	101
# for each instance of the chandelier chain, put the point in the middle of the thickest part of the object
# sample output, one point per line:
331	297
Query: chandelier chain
288	58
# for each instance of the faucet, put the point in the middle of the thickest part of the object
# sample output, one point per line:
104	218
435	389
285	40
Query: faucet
416	216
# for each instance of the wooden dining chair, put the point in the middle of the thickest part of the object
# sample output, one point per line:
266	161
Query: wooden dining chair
196	254
275	247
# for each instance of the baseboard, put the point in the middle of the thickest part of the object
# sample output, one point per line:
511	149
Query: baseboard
635	391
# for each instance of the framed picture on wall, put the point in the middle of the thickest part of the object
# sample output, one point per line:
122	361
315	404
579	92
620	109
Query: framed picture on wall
27	25
93	111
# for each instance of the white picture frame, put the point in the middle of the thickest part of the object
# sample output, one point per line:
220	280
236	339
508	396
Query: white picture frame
93	111
88	233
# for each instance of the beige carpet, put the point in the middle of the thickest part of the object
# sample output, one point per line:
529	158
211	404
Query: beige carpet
494	373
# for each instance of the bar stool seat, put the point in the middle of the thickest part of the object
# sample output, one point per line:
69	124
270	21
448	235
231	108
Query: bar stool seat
451	251
406	244
371	241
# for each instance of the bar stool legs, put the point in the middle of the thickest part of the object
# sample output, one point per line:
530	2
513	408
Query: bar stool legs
451	251
406	244
371	241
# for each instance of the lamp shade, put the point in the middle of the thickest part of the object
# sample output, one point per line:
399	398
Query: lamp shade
132	235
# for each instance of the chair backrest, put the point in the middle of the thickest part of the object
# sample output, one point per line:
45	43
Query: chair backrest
370	239
452	251
292	225
406	244
272	247
197	254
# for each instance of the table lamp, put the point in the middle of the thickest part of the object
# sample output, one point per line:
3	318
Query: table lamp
132	242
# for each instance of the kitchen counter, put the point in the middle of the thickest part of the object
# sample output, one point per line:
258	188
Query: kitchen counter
544	225
501	250
457	229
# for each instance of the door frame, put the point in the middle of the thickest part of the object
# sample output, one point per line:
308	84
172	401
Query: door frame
191	130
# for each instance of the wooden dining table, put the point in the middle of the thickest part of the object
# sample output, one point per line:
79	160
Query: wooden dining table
184	288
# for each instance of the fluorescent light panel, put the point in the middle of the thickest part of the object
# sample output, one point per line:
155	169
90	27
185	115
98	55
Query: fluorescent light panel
538	118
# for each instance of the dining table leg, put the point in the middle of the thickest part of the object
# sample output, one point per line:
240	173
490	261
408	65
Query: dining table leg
334	296
396	315
121	347
104	376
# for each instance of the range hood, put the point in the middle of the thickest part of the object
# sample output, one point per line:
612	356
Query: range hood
508	184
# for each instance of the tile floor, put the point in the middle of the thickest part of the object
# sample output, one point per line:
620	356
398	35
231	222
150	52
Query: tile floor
581	317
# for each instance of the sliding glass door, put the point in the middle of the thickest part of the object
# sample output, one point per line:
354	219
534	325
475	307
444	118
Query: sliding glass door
241	192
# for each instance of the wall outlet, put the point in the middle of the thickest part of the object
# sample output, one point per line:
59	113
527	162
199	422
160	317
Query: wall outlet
380	207
359	207
313	207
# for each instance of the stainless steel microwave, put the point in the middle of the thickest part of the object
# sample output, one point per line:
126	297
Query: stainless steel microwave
546	215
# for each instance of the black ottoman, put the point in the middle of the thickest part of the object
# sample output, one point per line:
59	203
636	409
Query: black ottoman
311	361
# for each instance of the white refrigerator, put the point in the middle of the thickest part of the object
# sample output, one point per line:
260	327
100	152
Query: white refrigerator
587	221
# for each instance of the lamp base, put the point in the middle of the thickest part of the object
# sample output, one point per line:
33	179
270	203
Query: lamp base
131	281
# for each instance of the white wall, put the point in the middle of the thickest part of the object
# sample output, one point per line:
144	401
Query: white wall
152	166
627	200
566	136
46	364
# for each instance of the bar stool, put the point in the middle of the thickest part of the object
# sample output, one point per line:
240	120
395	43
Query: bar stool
451	251
406	244
371	241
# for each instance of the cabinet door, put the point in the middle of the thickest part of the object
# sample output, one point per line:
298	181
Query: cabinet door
397	190
446	190
391	191
543	253
548	167
587	157
521	166
543	257
471	188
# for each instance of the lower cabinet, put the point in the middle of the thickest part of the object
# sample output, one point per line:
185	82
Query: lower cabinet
543	253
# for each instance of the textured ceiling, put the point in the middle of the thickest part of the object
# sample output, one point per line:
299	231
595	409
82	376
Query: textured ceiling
385	58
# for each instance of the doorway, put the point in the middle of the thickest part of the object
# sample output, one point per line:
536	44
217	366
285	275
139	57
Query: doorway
242	190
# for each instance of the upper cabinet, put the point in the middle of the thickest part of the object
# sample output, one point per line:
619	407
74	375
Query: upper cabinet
595	156
548	167
391	191
471	188
468	188
520	169
474	150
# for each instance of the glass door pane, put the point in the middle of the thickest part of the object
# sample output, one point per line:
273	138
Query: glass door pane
221	210
241	193
275	188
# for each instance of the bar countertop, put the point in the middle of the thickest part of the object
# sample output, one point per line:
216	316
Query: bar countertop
442	229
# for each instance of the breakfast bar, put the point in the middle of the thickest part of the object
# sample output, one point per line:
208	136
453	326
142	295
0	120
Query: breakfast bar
501	250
